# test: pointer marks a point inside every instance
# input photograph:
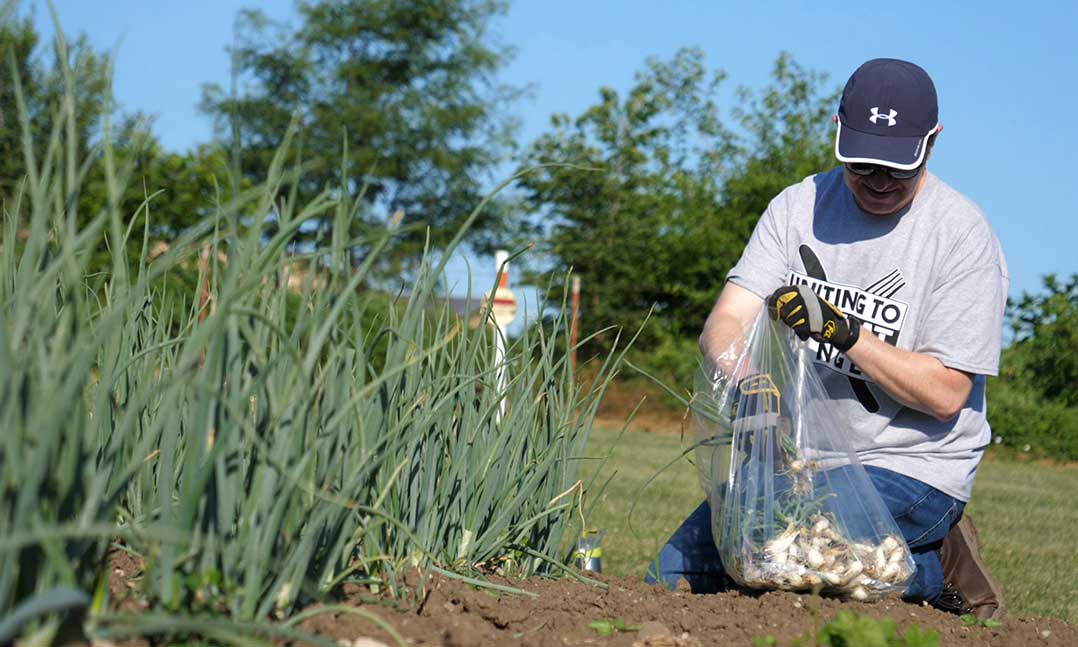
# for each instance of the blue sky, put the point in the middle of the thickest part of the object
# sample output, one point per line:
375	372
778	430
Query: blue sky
1004	71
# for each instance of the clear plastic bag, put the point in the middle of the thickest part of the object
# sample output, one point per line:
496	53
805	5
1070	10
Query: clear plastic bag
792	507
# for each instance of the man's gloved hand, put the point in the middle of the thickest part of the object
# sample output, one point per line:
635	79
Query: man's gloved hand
811	316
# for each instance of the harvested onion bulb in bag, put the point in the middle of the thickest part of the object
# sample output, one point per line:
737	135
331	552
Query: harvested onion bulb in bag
792	506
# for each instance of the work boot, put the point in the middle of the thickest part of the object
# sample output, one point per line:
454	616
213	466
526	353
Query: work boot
951	601
968	586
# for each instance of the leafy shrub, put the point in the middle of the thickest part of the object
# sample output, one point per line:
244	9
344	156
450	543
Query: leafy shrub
849	629
672	360
1034	401
1021	416
1045	350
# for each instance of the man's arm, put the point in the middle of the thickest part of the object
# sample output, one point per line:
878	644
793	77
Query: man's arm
725	327
919	381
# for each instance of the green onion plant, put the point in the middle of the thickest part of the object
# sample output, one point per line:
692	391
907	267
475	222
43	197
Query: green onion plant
259	448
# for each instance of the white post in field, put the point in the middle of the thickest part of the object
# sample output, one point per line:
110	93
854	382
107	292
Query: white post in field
503	310
574	321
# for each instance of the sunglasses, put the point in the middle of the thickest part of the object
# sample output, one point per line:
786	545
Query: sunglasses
858	168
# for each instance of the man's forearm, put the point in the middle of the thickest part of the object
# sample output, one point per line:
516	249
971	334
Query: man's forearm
918	381
720	342
724	330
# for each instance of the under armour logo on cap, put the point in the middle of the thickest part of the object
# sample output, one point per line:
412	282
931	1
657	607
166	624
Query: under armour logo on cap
869	128
890	116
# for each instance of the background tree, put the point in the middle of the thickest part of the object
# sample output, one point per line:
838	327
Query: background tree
42	80
1045	328
787	135
674	196
172	190
18	39
1033	404
405	87
657	157
165	192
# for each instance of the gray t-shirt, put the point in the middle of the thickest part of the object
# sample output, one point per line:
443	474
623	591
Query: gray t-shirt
931	280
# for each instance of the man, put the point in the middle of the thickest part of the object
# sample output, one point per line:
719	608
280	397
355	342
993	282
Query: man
902	284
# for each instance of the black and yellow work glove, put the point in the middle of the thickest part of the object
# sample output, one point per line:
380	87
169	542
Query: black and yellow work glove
811	316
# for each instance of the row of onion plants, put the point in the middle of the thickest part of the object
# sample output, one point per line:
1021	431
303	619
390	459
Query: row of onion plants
263	439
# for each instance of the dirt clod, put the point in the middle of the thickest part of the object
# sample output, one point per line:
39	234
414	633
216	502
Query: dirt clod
656	634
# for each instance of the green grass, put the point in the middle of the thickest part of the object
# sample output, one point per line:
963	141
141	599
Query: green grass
1025	514
659	509
1027	520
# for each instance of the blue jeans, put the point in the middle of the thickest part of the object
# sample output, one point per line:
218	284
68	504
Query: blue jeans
924	516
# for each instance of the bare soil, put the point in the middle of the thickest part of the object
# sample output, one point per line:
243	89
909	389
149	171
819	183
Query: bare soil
451	613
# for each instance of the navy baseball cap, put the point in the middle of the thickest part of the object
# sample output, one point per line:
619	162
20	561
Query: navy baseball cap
887	113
